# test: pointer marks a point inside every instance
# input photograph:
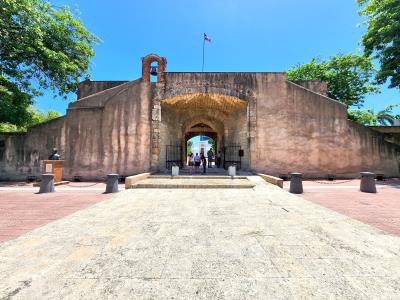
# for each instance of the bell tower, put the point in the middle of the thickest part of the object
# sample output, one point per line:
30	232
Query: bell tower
155	70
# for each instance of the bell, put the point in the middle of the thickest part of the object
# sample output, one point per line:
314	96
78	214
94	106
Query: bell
153	70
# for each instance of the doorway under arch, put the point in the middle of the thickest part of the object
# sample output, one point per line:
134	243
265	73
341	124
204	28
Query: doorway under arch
200	130
220	117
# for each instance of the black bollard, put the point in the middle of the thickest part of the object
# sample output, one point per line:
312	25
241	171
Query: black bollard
367	184
296	185
112	183
47	183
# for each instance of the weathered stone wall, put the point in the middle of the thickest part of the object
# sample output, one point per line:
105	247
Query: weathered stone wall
287	127
391	133
237	133
113	137
23	152
88	87
320	87
170	134
282	127
298	130
103	133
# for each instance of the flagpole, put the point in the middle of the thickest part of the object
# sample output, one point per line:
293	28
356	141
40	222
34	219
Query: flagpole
202	67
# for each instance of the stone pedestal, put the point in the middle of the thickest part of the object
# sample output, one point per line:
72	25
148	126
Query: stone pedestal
367	184
232	171
112	183
55	167
296	185
47	184
175	171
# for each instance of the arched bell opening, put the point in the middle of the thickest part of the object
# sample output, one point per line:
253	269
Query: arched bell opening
153	68
153	72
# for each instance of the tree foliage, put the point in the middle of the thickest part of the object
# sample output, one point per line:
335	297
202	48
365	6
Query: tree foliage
213	145
189	147
349	77
41	47
13	103
36	117
382	39
367	117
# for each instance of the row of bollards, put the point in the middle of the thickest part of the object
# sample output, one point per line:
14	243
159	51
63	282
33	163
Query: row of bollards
47	183
367	184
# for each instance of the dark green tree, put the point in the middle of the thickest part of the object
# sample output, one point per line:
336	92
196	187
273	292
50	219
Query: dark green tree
13	103
382	39
41	47
349	77
35	117
189	147
213	145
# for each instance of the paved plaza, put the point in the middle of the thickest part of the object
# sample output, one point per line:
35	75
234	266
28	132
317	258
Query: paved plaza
259	243
381	210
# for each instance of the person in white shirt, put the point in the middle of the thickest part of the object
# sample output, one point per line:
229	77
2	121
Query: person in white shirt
197	163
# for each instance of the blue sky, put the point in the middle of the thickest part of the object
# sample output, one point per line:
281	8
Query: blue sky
253	35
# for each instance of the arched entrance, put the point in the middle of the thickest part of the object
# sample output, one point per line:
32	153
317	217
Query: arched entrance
201	130
220	117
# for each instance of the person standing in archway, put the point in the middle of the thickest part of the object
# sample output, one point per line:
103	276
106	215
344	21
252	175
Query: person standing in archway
210	155
203	162
196	163
190	163
219	158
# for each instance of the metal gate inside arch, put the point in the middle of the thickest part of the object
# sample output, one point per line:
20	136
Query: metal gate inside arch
233	156
173	156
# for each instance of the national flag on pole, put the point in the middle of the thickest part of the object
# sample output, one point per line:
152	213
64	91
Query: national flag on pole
207	38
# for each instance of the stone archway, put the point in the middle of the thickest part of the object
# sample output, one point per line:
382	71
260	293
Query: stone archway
199	129
212	128
225	116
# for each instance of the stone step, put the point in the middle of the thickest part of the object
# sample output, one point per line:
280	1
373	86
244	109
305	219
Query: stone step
210	171
224	176
194	182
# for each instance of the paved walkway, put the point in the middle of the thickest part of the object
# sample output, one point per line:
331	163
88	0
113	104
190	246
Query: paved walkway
381	210
260	243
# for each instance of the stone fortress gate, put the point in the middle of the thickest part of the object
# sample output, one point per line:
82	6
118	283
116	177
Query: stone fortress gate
129	127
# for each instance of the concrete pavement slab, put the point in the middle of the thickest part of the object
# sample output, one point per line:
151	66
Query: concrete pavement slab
258	243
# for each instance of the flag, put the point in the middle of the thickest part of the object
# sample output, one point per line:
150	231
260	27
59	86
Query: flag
206	38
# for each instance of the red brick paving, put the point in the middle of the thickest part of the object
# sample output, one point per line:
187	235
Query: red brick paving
22	209
381	210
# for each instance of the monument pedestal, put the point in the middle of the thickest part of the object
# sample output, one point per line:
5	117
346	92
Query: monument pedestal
54	167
